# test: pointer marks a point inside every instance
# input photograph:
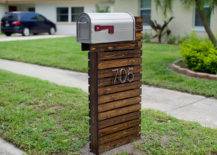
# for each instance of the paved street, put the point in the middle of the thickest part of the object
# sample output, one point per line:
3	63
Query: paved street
180	105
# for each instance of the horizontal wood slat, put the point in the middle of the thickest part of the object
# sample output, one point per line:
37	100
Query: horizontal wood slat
119	54
118	135
110	72
119	96
119	88
119	119
120	46
139	36
118	104
119	142
110	81
118	112
139	29
119	127
119	63
138	20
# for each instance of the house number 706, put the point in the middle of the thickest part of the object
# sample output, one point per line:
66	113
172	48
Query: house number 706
123	75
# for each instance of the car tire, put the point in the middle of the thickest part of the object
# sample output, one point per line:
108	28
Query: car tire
8	34
26	32
52	31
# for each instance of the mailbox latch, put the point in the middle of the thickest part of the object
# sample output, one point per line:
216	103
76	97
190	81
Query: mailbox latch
110	28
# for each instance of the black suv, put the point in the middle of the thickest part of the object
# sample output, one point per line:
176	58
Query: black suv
26	23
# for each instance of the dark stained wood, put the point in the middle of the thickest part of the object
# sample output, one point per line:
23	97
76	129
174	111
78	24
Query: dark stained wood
139	29
119	63
119	88
119	135
118	104
138	20
115	107
119	142
110	73
93	96
119	127
119	112
120	46
119	119
119	96
110	81
139	36
139	24
119	54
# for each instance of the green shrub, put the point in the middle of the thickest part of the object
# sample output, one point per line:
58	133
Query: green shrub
182	39
147	38
199	54
172	39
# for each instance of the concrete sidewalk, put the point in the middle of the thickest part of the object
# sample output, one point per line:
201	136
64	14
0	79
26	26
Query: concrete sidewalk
180	105
9	149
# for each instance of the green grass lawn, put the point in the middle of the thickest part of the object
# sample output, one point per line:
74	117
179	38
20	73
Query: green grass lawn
52	119
65	53
41	117
62	53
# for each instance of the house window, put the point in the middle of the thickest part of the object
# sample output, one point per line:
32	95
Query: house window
146	11
198	21
62	14
75	12
31	9
12	8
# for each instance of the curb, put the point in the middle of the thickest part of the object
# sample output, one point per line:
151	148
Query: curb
191	73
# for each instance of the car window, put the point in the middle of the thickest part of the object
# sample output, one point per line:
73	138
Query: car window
10	17
28	16
41	18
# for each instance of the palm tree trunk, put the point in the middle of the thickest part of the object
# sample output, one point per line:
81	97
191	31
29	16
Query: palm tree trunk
205	22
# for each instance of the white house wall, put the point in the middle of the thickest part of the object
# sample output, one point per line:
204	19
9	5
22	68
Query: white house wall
3	9
130	6
183	23
49	10
214	21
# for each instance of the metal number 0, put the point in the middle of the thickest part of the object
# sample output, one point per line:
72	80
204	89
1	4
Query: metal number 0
123	75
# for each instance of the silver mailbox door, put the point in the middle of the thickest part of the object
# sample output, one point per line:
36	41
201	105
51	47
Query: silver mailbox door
83	30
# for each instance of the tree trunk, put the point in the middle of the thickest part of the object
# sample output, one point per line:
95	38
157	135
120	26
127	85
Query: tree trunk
159	38
205	22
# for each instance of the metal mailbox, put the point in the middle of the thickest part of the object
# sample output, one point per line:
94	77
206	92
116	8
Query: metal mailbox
93	28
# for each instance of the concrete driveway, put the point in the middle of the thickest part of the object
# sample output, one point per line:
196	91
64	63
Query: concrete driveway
18	37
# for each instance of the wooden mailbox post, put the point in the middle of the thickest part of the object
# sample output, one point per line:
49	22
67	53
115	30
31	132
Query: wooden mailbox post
115	74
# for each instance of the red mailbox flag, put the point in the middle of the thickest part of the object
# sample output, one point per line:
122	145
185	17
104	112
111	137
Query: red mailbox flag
110	28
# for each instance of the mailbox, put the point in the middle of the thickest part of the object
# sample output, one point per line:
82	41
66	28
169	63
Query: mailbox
93	28
114	45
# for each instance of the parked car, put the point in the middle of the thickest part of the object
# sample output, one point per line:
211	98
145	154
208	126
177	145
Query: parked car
26	23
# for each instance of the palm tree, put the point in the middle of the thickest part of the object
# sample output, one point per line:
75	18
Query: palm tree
166	5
